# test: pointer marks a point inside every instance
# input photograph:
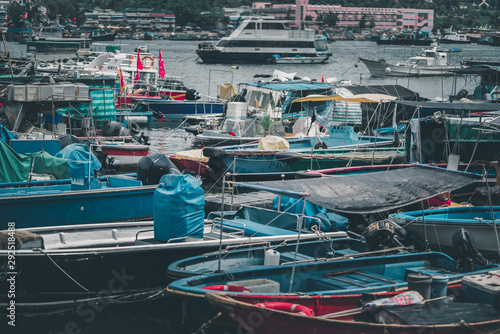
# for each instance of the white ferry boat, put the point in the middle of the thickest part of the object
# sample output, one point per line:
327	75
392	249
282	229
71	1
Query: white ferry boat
258	40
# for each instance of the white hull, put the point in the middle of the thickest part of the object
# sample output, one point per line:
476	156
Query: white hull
380	68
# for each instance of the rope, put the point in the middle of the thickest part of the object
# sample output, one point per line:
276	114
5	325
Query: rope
113	300
207	324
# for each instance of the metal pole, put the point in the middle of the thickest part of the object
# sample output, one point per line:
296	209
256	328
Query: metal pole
221	221
297	245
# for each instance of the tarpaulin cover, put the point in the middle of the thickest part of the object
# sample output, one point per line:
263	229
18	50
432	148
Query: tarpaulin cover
78	154
6	135
329	221
178	207
16	167
374	192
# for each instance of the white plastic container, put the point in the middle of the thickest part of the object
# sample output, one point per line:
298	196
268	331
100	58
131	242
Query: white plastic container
237	109
259	285
453	161
271	258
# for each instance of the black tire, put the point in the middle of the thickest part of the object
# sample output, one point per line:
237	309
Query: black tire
320	145
134	128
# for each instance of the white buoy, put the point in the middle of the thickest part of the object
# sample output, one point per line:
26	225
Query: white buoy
387	70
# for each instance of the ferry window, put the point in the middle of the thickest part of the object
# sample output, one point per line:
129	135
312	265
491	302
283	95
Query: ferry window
251	25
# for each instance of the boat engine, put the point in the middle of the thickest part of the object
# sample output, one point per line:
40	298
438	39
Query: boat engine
382	235
152	167
467	254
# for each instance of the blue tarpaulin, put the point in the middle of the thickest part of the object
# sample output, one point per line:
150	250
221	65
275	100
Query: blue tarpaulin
178	207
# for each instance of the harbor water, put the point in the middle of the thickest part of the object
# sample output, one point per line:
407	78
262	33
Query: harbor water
165	315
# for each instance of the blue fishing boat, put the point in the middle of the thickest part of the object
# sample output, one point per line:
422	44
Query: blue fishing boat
257	256
178	108
343	277
437	226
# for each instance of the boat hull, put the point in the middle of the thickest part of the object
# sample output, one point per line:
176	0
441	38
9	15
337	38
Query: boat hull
440	224
418	42
262	321
120	259
175	107
77	207
217	56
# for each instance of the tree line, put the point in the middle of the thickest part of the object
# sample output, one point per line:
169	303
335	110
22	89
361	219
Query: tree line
207	13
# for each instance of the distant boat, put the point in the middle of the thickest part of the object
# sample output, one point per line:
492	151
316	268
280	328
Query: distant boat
102	35
429	62
300	60
453	37
258	40
405	39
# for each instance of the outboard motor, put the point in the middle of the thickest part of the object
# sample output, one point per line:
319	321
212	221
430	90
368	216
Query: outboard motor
152	167
467	254
114	128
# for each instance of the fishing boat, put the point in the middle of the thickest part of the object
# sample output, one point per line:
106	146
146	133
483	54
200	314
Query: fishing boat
258	40
179	108
102	35
348	314
429	62
454	37
257	256
437	226
370	274
132	258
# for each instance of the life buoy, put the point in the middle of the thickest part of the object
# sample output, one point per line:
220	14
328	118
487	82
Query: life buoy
134	128
143	58
151	62
288	307
233	288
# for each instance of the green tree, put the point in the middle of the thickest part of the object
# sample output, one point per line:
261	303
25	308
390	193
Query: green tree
362	22
15	12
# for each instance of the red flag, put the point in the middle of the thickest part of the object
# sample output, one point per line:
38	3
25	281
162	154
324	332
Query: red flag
161	66
322	78
136	76
139	62
122	82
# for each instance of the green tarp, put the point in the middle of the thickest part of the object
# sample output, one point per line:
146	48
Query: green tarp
16	167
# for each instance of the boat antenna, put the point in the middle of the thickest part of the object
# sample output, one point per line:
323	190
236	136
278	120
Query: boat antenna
485	175
300	224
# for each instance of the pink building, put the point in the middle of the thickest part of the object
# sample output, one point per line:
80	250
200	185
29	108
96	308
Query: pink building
383	18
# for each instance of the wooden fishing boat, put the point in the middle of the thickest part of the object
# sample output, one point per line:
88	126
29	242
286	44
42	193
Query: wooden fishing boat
325	315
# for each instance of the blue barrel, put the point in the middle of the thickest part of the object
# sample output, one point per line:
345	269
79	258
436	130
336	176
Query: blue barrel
420	283
439	286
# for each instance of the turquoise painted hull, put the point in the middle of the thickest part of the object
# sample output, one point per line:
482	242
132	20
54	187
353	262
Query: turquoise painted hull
60	205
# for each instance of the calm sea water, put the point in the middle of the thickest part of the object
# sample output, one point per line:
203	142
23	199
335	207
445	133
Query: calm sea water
181	60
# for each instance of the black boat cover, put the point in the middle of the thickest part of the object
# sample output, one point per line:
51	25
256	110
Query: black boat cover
372	192
451	106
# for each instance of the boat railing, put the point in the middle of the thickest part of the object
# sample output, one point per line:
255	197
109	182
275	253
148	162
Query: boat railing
237	231
142	231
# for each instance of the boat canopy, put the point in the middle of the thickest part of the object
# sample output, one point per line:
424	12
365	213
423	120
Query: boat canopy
371	192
